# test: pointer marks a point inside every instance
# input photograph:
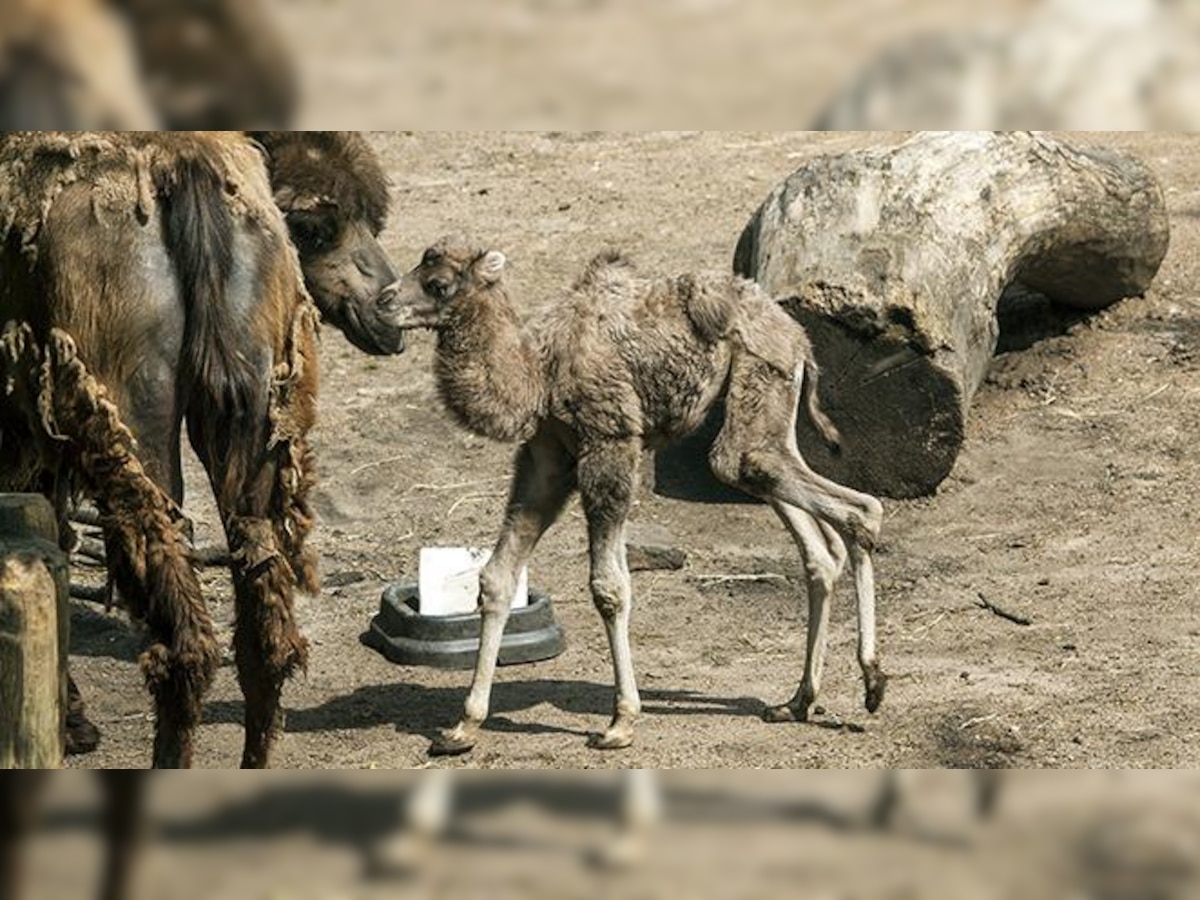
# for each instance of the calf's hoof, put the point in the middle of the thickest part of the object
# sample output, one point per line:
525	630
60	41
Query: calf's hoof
876	687
786	712
611	740
451	743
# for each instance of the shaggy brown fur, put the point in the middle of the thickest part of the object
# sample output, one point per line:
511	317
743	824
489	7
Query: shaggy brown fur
622	363
334	195
147	280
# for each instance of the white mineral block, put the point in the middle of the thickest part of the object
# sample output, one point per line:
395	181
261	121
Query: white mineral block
448	581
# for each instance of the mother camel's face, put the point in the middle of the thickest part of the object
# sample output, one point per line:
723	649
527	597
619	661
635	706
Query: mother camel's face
347	272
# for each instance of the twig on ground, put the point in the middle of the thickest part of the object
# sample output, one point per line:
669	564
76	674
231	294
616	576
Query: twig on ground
471	498
421	486
378	462
985	603
719	577
925	628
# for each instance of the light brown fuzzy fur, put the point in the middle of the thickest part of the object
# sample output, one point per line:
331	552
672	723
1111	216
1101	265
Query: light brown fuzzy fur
621	363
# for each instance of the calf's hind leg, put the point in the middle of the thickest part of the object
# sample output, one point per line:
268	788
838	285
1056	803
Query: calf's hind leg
756	452
607	480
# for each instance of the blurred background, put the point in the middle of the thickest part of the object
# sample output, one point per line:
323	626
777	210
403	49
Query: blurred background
1084	834
574	64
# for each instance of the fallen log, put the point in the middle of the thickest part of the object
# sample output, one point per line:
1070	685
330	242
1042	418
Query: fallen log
896	258
34	628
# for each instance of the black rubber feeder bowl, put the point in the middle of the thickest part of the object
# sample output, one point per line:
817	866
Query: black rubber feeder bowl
408	638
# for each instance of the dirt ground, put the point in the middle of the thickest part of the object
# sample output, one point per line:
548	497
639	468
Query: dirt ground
1073	503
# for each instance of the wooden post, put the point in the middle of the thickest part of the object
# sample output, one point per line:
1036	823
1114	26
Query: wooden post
34	624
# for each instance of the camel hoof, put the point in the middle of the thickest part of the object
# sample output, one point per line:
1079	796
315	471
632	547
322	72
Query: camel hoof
876	688
610	740
448	743
784	713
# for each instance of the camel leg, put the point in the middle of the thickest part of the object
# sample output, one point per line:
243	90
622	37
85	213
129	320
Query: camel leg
820	568
268	645
607	480
874	679
857	519
245	466
756	451
82	735
543	481
151	566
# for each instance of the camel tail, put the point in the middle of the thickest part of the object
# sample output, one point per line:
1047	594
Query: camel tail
825	427
199	234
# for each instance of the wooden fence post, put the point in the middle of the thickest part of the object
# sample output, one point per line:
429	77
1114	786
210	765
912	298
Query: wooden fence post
34	628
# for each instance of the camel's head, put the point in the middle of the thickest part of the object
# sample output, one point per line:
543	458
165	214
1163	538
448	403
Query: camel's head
451	271
349	276
333	194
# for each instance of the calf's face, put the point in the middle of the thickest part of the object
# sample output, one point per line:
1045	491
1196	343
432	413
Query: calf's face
450	273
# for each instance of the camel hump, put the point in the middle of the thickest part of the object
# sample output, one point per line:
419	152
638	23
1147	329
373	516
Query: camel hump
714	304
604	270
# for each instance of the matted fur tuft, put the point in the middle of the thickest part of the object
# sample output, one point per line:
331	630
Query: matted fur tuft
327	167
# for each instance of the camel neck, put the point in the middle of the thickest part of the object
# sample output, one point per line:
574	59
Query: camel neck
487	372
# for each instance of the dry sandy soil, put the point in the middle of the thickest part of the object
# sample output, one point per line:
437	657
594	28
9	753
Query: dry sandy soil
1073	503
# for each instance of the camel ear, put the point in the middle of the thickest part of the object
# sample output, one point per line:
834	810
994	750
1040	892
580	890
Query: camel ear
490	265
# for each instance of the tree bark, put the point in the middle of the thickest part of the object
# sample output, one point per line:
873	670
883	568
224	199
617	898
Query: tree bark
34	623
895	260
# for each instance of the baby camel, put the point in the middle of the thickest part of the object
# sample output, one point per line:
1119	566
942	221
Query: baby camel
622	363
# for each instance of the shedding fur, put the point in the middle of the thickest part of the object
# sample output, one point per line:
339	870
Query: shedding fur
149	552
622	363
327	168
148	282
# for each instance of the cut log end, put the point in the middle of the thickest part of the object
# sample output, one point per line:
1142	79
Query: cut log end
897	259
899	414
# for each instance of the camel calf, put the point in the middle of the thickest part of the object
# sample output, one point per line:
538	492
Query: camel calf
625	362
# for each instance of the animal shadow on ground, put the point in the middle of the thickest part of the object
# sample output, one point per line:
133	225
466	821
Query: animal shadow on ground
420	710
102	636
363	818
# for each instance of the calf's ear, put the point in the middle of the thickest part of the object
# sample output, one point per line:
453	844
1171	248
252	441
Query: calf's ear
490	266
